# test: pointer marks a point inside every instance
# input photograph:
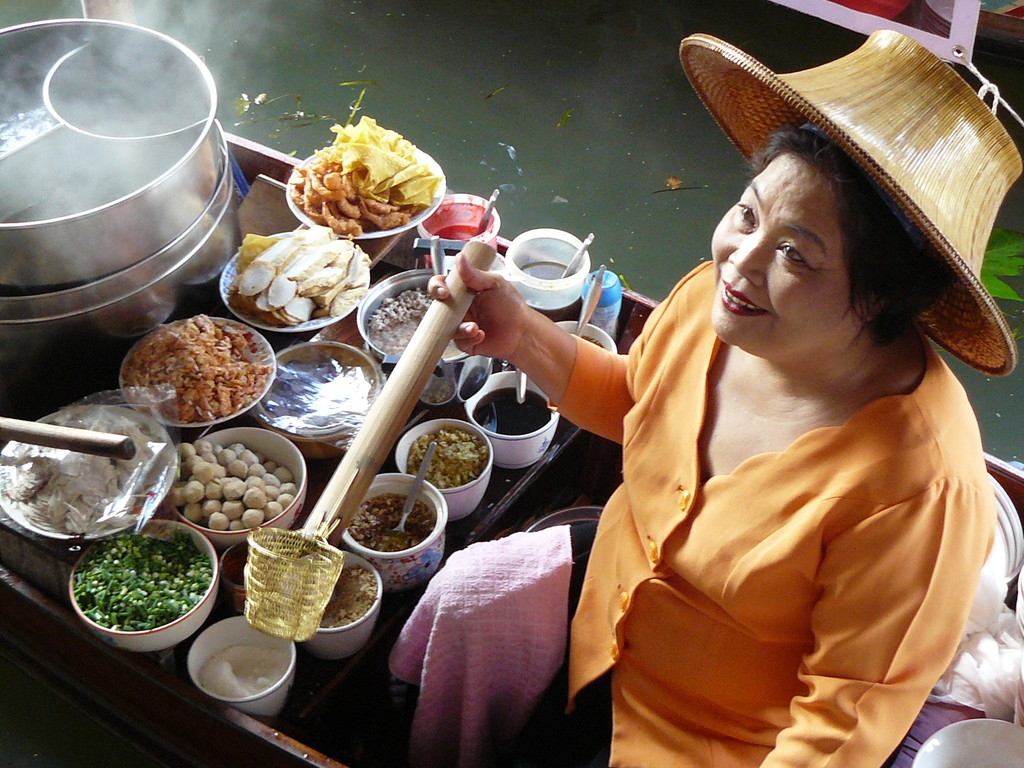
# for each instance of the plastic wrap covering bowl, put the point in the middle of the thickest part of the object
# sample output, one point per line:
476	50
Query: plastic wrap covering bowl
320	396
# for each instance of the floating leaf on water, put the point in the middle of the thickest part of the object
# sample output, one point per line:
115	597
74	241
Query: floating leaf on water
496	91
565	117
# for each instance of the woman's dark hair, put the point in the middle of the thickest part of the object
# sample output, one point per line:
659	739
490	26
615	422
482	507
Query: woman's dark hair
892	280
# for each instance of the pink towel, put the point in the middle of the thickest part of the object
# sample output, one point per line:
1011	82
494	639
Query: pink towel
483	644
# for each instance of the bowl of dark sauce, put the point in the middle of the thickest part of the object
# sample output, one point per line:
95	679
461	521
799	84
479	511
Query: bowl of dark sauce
519	432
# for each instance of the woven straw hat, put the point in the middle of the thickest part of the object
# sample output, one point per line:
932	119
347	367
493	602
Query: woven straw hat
917	128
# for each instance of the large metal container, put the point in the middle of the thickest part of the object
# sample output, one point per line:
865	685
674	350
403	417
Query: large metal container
112	220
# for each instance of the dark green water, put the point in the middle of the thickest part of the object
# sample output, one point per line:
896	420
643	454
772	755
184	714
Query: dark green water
578	111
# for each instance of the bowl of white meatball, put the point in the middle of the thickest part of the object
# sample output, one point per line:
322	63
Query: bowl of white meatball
238	479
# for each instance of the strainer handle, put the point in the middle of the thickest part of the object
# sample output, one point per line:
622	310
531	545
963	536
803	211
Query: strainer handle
107	444
387	416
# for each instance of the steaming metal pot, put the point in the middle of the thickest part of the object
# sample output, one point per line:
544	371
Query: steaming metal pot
117	204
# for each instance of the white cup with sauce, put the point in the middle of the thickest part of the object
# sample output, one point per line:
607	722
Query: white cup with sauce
534	263
520	435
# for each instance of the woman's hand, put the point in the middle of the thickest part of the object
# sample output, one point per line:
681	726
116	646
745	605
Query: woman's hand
502	325
495	320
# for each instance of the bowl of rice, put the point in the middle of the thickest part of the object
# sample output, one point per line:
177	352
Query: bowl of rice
462	463
390	312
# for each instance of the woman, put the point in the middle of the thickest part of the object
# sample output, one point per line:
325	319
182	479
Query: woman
789	563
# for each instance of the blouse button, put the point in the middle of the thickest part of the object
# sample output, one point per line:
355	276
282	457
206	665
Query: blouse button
652	551
614	651
685	497
623	600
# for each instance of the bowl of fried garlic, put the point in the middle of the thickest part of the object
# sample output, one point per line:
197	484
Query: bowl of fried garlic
369	183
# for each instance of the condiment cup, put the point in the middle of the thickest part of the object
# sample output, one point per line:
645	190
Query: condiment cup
168	635
236	631
274	447
341	642
591	333
512	451
407	568
461	499
232	575
534	263
459	217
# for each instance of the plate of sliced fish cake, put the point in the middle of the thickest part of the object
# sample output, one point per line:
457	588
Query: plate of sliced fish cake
295	282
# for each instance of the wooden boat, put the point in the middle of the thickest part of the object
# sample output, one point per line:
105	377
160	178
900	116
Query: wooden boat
340	713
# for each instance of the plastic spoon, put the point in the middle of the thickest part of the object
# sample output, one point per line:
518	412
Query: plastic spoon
577	257
474	373
436	255
486	219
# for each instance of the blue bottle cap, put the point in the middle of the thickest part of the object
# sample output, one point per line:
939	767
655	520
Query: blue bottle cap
611	289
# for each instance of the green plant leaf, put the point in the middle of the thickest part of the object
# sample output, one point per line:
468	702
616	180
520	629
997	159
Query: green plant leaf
1004	257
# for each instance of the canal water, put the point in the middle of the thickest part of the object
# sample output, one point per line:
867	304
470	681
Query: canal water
578	112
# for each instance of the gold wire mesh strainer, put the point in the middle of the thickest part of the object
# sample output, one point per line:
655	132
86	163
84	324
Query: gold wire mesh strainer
290	575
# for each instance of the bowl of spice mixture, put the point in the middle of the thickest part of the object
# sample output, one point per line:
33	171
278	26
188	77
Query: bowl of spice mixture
146	591
462	462
403	561
351	613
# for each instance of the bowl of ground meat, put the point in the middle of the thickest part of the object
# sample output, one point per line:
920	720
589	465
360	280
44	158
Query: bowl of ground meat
390	312
351	613
403	561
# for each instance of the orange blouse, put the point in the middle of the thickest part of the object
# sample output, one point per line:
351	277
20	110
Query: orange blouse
797	611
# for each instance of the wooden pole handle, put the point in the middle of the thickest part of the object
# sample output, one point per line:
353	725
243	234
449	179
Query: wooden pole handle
68	438
351	479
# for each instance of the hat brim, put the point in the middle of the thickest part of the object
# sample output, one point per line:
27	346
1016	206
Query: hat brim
749	102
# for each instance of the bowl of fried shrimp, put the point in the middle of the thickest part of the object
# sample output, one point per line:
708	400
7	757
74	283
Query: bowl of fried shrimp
320	194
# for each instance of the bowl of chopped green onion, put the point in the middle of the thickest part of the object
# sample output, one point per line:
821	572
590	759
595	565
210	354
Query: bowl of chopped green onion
146	591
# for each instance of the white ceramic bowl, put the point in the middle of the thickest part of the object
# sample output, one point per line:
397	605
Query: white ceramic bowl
341	642
237	631
406	568
591	333
462	499
978	742
421	157
170	634
272	446
513	451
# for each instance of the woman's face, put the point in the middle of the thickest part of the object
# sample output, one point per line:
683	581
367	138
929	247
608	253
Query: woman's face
783	286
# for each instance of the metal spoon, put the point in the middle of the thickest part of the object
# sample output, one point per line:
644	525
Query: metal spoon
399	532
593	295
